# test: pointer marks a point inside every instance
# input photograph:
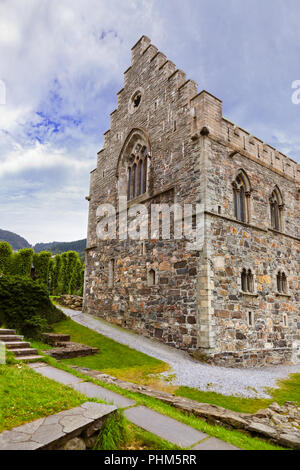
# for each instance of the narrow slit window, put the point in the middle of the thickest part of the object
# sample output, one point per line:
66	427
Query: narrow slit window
250	319
111	273
151	277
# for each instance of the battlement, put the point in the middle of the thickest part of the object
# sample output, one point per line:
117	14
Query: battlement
207	114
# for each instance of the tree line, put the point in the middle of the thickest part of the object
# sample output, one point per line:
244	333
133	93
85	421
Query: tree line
61	274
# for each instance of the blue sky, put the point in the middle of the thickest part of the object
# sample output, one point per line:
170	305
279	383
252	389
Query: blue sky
62	63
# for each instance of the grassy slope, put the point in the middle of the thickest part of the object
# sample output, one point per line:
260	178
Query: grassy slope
113	358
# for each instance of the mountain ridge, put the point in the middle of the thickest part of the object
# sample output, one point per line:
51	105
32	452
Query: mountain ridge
17	243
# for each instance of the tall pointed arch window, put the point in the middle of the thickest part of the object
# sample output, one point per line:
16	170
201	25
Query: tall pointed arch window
276	207
137	172
241	197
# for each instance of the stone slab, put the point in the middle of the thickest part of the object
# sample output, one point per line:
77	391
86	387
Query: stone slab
58	375
95	391
164	427
214	444
52	431
36	365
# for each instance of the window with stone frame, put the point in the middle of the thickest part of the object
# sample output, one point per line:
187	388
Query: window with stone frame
111	273
281	279
276	207
241	196
137	172
247	280
151	277
250	319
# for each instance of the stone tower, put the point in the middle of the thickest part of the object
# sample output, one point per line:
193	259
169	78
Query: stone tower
233	301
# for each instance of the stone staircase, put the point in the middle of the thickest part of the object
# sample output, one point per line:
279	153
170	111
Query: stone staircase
14	343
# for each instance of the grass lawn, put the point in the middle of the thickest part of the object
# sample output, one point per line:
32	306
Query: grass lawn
113	358
26	395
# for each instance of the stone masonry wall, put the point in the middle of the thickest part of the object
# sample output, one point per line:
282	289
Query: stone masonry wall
233	245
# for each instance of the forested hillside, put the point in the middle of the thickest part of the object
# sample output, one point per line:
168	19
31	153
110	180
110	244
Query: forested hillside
15	241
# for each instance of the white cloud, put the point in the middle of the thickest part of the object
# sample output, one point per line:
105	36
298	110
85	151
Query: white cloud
40	157
65	61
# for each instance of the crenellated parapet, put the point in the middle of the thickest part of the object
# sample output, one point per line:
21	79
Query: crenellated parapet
208	119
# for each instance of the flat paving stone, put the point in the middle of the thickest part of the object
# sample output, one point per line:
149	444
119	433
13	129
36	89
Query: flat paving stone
95	391
36	365
52	430
164	427
58	375
214	444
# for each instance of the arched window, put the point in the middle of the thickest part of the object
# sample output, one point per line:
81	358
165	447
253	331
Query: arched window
151	277
247	282
137	172
276	207
134	165
281	282
241	196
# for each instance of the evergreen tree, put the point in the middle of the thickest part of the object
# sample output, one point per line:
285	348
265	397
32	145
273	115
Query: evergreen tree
6	255
41	264
56	275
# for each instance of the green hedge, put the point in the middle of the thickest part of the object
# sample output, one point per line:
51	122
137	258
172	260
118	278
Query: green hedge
6	254
26	307
63	274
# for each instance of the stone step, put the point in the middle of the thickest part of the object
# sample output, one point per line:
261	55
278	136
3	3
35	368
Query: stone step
7	332
29	358
17	345
10	338
24	352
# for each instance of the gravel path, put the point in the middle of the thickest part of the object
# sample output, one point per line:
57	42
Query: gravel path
244	382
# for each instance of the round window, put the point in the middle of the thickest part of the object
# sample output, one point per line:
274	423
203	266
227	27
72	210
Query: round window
135	101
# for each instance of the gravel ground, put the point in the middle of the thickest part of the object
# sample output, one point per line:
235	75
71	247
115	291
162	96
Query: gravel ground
187	371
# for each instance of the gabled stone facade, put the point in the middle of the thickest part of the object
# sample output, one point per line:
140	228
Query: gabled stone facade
235	300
